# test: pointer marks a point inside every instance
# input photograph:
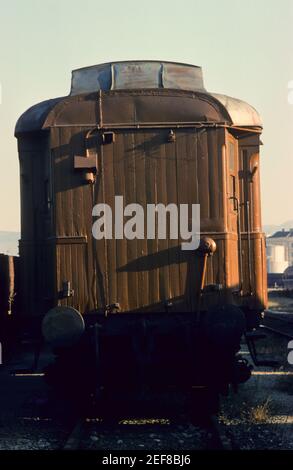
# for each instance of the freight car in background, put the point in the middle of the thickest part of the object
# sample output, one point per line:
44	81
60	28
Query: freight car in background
150	132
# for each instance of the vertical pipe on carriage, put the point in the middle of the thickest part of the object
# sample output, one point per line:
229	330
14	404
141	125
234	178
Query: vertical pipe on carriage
237	209
247	205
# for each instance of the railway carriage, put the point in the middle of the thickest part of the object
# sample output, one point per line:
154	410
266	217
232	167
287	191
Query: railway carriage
150	132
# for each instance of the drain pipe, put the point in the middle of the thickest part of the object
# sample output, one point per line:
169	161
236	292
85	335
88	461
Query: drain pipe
237	209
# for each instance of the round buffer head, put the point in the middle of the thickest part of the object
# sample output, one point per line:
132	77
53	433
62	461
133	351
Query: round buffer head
63	326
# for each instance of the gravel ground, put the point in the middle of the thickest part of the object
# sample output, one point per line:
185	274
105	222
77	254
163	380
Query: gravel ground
260	415
25	423
22	434
145	437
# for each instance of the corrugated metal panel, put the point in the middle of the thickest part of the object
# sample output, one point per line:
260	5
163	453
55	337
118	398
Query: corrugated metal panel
143	167
138	274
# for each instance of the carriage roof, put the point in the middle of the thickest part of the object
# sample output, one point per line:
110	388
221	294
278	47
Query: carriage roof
137	89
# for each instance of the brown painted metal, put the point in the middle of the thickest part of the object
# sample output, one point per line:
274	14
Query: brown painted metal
9	281
207	162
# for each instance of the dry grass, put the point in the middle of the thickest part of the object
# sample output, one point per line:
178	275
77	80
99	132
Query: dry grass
242	413
260	413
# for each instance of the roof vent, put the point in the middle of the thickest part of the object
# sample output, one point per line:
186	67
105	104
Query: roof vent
137	75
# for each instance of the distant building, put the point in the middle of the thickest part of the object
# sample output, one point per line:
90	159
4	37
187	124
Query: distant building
279	256
280	251
276	260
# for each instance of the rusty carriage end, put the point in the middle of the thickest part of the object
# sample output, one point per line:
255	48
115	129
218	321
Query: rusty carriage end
149	132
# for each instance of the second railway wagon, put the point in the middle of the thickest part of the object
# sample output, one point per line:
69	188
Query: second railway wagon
150	132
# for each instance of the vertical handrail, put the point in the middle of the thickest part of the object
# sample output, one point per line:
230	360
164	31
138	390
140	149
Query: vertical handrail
249	245
236	201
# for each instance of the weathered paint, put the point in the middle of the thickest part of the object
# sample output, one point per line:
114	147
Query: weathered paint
143	166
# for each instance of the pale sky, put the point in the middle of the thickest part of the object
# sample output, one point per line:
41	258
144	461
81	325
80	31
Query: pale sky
244	47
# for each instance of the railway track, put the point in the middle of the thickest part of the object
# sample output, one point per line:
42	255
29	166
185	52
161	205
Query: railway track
280	323
145	434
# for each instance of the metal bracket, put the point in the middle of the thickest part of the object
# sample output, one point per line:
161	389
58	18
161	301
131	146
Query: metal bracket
85	163
66	291
112	308
108	138
88	163
251	338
